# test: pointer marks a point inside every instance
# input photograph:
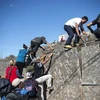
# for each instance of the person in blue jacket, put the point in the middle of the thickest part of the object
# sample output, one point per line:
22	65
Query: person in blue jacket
20	60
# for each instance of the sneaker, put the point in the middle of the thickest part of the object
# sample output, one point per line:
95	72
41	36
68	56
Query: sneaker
50	89
77	44
68	46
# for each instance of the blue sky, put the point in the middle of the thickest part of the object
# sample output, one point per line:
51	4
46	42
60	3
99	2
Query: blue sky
22	20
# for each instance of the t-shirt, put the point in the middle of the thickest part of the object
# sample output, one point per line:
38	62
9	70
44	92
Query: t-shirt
72	22
38	70
96	22
40	40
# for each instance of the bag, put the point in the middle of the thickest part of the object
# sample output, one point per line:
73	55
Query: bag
5	86
17	96
32	87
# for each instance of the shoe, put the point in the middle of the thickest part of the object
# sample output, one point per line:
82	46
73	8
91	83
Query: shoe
68	46
50	89
77	44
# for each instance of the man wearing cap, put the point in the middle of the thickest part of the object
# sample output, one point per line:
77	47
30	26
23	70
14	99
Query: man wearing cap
36	42
20	60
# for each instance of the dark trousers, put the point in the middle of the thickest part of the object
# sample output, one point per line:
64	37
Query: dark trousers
71	33
97	33
34	47
20	66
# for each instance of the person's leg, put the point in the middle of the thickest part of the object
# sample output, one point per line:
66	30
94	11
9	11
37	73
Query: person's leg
76	39
44	78
41	96
34	47
20	66
70	32
97	33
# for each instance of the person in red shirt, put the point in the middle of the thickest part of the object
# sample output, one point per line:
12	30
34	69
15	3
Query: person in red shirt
12	72
62	39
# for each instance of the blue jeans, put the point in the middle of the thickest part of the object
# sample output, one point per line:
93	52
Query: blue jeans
71	33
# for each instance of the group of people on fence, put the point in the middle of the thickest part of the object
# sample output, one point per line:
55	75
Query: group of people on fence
17	87
27	87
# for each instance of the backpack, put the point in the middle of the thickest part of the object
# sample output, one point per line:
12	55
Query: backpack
5	86
17	96
32	87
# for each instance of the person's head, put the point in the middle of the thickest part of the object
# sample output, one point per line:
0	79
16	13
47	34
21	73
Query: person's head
14	62
43	37
28	75
18	83
11	62
84	19
24	46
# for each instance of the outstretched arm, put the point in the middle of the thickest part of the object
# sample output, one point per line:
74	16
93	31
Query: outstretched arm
89	27
42	47
49	45
47	59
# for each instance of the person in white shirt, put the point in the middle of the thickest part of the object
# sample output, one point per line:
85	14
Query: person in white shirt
72	27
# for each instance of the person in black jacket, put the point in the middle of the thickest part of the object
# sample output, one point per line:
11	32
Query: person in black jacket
97	31
36	43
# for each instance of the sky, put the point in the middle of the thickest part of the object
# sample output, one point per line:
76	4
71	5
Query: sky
23	20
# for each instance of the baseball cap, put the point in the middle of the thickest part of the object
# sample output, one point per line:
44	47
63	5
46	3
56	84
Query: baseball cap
17	81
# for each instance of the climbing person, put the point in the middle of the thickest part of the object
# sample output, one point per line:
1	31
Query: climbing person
97	31
12	71
20	60
37	67
36	43
36	82
72	28
30	59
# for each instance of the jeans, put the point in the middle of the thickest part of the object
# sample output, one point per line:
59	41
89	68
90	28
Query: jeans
71	33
